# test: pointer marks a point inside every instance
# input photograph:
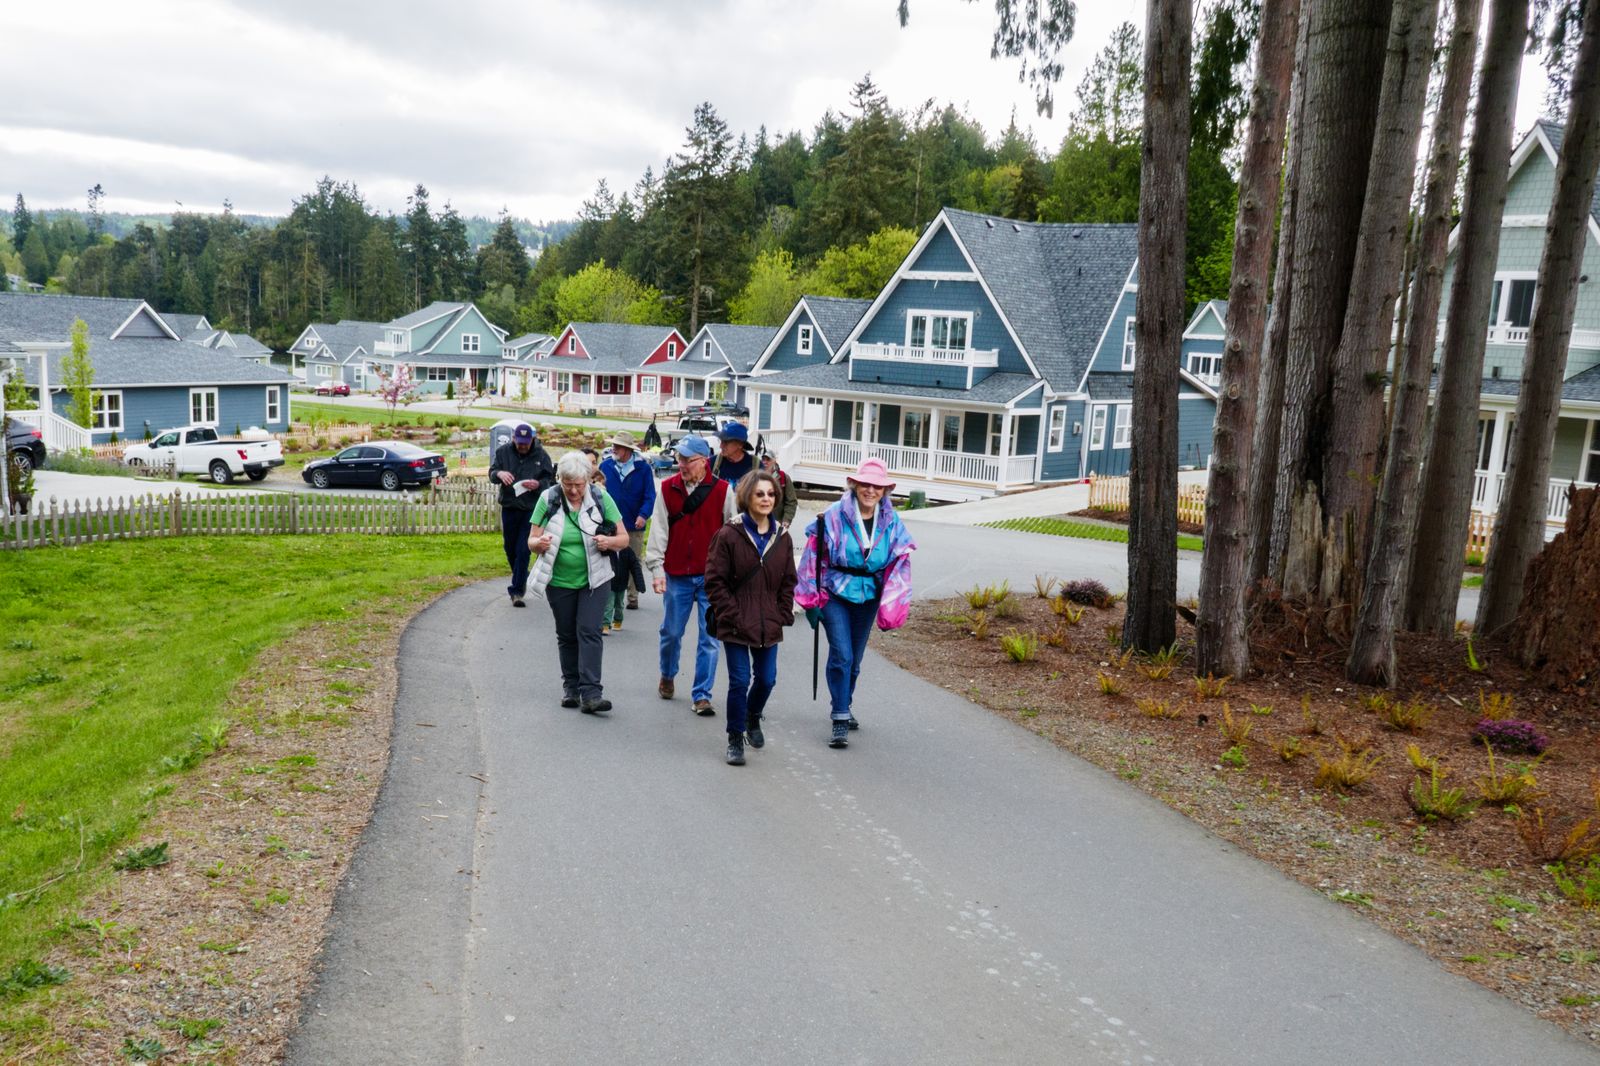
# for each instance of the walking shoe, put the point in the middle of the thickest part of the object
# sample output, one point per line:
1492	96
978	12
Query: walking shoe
633	603
516	601
735	749
704	709
616	625
754	734
665	688
605	630
569	701
852	723
841	734
596	706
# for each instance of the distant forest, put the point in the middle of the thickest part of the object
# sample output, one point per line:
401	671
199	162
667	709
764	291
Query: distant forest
729	229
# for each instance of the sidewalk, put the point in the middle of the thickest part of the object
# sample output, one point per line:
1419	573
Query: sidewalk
1035	503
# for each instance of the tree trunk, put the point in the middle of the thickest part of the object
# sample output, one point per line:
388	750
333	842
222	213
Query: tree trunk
1163	208
1350	469
1558	628
1274	348
1519	525
1344	74
1221	643
1372	659
1439	544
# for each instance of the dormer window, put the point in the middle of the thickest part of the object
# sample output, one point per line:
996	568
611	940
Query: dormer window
572	344
803	340
471	343
705	350
672	349
397	337
1130	344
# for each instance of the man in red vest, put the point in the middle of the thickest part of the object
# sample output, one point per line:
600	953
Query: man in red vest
692	507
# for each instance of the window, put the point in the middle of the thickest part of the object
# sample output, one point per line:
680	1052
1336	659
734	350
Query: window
471	343
914	429
1485	442
274	404
858	418
438	373
324	370
1519	303
705	350
1058	429
950	434
716	391
108	412
166	440
647	385
925	329
1511	304
802	343
1591	461
397	338
995	424
672	349
605	383
1122	434
1097	429
203	407
1207	366
1130	344
563	381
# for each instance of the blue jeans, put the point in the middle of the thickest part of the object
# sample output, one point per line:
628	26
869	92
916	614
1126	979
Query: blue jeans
747	694
848	626
683	595
514	531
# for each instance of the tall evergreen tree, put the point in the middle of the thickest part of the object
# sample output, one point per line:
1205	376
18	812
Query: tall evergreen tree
422	248
698	255
864	187
455	256
21	223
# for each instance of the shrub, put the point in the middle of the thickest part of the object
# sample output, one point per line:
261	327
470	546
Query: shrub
1005	608
1156	708
1515	786
1375	702
980	625
1057	637
1088	592
1408	717
1020	647
1209	686
1265	710
1495	705
1066	610
1156	671
1310	720
1580	884
1110	684
1546	843
1234	757
1042	586
1349	770
1291	748
1235	730
1113	634
1423	763
1121	659
1432	801
1511	734
982	597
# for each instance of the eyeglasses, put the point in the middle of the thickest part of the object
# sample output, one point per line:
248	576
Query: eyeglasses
869	488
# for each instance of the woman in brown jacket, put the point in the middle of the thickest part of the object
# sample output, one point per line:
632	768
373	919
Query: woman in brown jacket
750	581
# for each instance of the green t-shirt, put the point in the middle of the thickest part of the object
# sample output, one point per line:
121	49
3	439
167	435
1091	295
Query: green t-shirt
572	565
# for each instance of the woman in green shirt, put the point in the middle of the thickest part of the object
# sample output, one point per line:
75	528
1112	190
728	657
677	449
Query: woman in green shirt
573	526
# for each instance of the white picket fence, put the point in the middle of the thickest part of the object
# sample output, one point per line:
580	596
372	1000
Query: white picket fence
128	518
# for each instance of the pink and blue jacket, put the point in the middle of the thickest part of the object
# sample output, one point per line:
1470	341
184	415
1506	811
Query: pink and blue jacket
854	570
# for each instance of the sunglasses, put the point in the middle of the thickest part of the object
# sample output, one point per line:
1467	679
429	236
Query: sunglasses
764	495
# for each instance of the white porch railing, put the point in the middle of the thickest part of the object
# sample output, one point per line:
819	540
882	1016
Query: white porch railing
59	434
920	462
1020	469
900	353
1487	489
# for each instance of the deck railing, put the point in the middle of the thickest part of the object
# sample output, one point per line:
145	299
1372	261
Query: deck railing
900	353
992	470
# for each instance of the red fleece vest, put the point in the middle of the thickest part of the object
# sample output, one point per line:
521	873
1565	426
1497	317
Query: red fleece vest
689	538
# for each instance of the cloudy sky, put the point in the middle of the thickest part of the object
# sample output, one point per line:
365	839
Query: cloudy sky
489	103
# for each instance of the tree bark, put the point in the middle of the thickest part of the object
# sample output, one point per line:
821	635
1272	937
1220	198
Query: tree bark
1519	525
1221	643
1439	545
1350	468
1372	658
1274	349
1344	74
1150	623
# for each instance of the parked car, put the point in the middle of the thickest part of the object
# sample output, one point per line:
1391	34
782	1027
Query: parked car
198	450
27	444
389	464
332	388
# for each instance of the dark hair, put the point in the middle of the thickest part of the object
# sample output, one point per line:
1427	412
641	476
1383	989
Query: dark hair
746	491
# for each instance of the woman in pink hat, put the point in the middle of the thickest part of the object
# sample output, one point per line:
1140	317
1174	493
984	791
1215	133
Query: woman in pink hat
855	570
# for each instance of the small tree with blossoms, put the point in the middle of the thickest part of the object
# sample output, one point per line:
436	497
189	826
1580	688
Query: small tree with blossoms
397	388
466	395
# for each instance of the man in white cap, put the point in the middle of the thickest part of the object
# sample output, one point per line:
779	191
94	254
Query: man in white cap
693	506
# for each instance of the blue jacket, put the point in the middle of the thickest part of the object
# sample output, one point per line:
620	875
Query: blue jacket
635	495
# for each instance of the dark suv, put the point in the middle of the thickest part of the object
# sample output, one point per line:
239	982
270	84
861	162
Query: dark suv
26	443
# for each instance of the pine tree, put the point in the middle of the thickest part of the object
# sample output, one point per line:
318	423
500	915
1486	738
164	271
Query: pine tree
698	251
422	248
863	188
21	223
455	256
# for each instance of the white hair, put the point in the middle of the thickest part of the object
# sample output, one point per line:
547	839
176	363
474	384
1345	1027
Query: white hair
575	466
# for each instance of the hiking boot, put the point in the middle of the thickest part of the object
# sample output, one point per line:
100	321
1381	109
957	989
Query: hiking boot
569	701
704	709
616	625
852	723
665	688
596	706
755	736
735	749
516	600
841	734
633	603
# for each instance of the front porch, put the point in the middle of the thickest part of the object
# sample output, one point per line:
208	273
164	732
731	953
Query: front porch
1574	461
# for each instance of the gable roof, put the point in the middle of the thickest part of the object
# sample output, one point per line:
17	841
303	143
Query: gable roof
1556	134
37	316
621	346
132	361
1217	307
741	345
183	324
348	336
437	309
834	317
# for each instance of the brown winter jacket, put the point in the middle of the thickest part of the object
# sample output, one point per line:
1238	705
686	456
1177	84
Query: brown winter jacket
755	613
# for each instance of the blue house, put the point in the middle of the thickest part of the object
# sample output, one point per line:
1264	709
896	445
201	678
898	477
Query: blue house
338	352
147	377
735	349
1000	355
444	344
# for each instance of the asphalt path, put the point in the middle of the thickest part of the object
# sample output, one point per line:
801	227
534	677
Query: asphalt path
542	886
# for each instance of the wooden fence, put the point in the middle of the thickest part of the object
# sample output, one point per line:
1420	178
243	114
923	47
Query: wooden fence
126	518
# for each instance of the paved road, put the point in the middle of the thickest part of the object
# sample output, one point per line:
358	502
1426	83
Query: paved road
542	886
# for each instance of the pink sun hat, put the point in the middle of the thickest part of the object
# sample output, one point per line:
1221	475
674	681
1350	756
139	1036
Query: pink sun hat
872	472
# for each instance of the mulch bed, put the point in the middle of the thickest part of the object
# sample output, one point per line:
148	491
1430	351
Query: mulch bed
1469	892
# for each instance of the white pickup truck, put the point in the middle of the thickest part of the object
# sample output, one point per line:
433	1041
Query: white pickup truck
198	450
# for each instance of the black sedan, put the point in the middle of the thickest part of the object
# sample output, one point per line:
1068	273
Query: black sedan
387	464
26	444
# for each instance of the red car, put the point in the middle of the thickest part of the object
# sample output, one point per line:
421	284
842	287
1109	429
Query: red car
332	388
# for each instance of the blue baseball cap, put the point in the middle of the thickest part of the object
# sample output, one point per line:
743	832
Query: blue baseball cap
736	431
692	446
523	433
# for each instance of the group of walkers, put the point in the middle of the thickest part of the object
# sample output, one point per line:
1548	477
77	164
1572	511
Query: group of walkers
719	548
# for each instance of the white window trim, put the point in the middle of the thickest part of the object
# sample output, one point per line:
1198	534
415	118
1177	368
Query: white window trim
1058	429
563	381
103	422
647	384
705	349
1591	450
803	340
471	343
1122	433
216	407
274	404
324	370
437	373
572	344
1505	278
605	382
965	316
944	424
1130	343
905	424
1214	359
1097	427
672	349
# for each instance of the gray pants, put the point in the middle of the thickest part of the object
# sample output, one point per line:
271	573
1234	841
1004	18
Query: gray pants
578	642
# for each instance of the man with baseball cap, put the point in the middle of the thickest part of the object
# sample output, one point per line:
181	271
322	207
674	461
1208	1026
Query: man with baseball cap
693	506
521	467
735	460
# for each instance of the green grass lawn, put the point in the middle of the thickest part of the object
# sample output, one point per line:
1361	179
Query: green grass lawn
1061	527
116	661
310	411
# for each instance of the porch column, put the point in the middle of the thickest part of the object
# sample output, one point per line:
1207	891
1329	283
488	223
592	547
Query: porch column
1005	448
1497	459
935	438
